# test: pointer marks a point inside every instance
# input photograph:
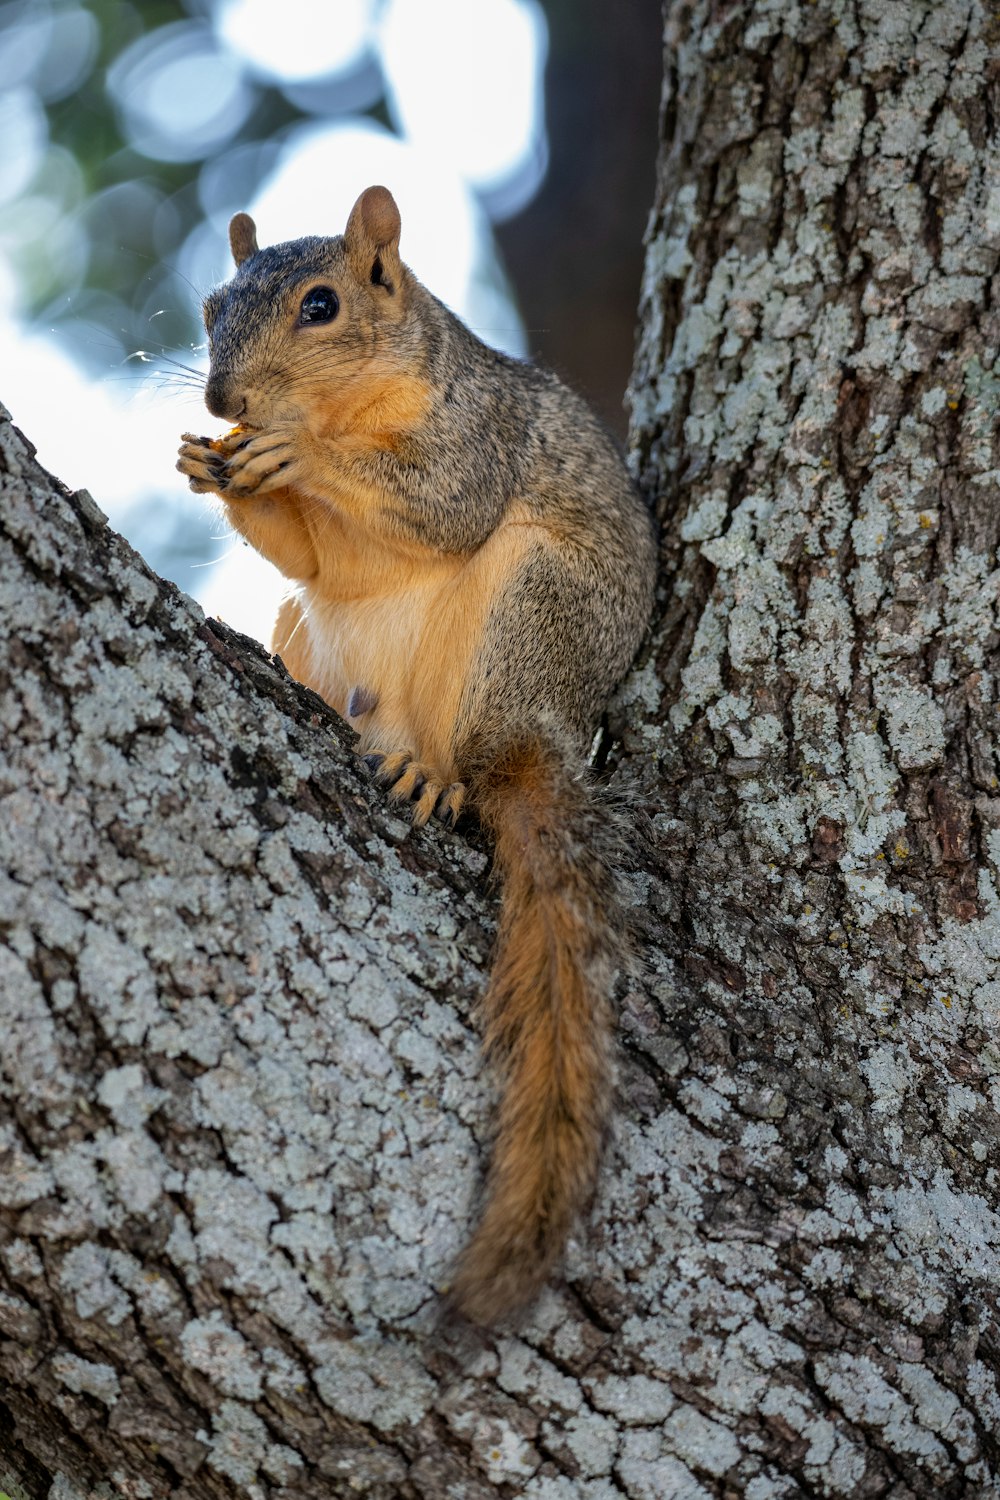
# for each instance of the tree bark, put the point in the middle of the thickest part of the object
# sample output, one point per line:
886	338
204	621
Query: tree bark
243	1107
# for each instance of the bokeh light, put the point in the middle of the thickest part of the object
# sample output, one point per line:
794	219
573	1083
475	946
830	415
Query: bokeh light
24	131
481	64
181	96
310	43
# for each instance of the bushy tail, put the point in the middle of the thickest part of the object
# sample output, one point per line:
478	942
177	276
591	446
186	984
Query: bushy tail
547	1020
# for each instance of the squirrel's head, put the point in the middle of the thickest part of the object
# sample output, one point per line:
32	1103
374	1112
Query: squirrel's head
304	328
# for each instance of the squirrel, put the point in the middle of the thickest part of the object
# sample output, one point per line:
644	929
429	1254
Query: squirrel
473	571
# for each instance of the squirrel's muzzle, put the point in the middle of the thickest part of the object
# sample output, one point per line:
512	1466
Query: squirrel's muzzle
223	399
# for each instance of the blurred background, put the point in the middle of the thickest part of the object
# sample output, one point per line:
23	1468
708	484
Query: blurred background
518	137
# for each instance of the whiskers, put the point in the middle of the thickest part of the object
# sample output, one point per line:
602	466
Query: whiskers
235	542
291	594
163	370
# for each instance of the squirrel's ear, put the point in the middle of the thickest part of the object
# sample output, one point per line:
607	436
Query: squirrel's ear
242	237
372	238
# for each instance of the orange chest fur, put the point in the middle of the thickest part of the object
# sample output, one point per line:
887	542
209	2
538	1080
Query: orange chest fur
376	411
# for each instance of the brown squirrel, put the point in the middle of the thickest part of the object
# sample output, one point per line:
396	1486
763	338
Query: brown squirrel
473	572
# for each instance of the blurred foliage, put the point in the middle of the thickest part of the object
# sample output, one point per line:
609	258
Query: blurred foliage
94	236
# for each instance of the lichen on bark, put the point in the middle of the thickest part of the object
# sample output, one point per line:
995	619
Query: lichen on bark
814	402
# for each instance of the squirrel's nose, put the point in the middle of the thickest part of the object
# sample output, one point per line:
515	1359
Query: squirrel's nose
222	400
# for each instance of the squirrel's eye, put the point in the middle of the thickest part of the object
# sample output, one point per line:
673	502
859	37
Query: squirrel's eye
319	306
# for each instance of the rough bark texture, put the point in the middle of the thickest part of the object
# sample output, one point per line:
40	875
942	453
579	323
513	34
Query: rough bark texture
815	399
243	1103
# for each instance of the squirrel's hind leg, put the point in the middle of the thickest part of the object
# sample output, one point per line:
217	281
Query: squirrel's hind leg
410	780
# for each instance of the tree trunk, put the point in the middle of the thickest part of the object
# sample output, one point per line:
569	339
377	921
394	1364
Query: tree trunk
243	1103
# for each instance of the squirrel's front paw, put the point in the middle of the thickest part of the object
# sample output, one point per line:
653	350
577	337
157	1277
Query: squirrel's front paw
264	461
203	464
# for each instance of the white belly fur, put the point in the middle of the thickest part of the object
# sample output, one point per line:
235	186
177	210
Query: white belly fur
410	644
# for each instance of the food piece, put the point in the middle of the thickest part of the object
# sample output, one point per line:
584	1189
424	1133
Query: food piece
222	444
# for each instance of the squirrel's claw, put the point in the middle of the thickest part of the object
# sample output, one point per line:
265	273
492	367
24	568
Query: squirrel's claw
202	466
387	766
258	462
241	465
408	780
448	806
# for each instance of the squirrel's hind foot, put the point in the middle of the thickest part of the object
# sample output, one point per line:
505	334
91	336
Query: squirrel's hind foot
449	804
408	780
